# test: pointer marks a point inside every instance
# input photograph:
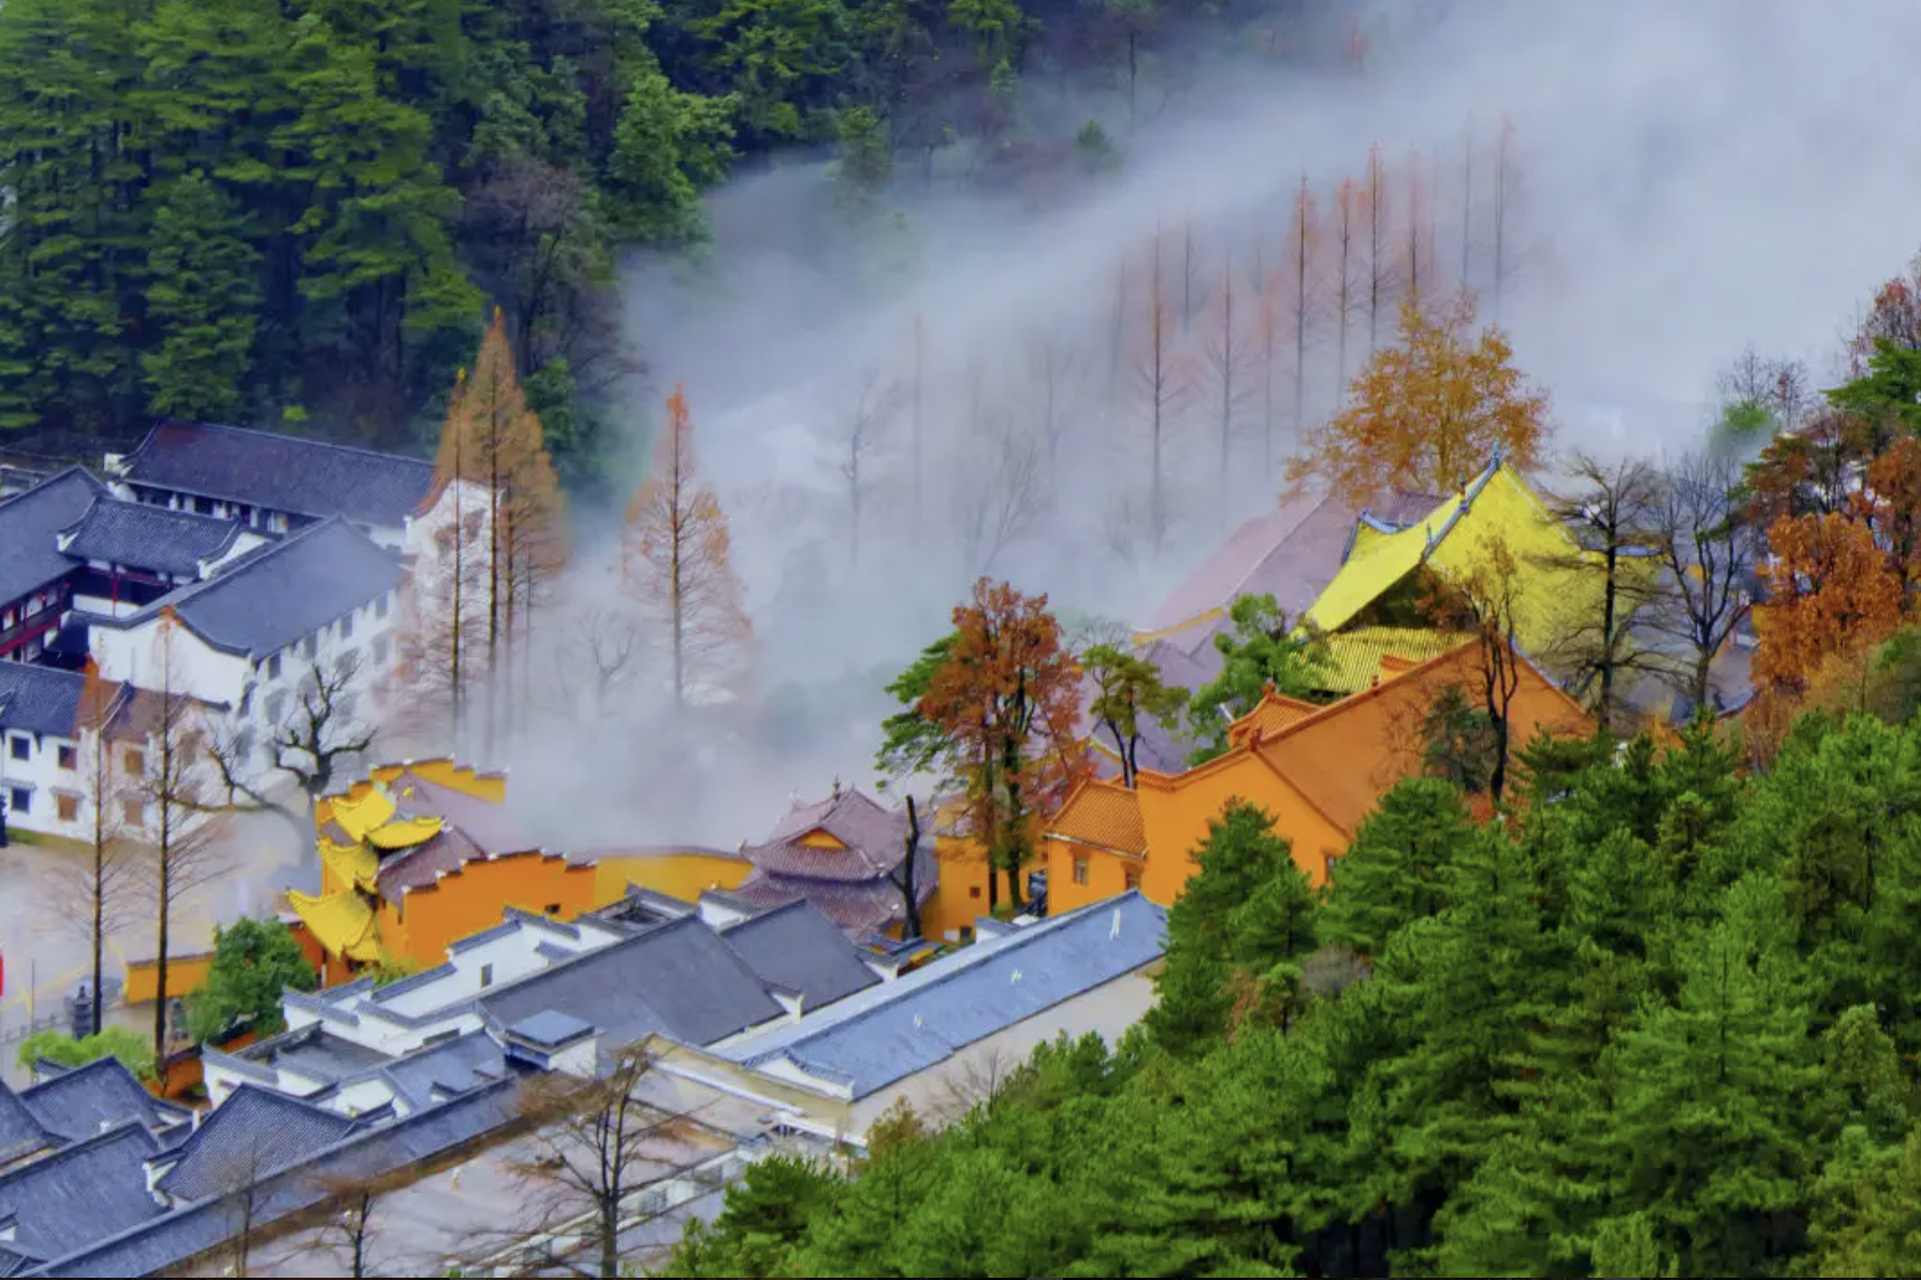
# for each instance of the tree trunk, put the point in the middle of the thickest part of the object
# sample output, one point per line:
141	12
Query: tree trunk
610	1238
910	888
1607	634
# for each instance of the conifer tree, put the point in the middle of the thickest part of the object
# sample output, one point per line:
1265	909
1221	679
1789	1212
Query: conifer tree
1400	865
201	294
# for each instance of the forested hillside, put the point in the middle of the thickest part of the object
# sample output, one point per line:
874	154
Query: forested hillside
1664	1023
286	211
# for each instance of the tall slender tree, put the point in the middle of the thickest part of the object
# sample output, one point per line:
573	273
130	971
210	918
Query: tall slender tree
1301	272
1228	351
1350	220
1380	253
101	900
676	569
1160	387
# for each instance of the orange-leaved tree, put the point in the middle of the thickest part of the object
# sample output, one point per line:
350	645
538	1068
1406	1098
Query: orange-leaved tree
1892	504
1427	413
1006	699
1830	590
675	566
498	544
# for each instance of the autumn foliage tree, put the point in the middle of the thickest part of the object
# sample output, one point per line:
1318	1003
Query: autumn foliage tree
675	566
1426	414
499	547
1830	590
1006	699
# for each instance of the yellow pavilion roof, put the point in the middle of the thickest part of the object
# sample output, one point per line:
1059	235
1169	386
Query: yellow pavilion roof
1353	657
352	864
358	817
1456	538
342	922
405	833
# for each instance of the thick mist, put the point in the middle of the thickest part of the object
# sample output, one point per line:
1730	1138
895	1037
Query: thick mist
1681	181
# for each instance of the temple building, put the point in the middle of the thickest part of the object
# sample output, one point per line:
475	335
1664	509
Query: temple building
844	854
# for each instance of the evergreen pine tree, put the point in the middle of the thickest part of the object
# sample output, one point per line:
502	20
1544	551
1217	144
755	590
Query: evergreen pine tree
201	298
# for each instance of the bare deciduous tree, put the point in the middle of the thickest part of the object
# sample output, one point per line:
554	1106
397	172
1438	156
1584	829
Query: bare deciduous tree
870	407
1001	495
1228	350
101	899
1055	373
1707	558
1160	384
311	746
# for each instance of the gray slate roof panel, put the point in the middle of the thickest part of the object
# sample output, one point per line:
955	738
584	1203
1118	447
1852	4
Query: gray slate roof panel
149	537
30	524
81	1194
253	1133
801	949
274	595
283	473
892	1031
21	1132
457	1065
37	699
680	979
79	1103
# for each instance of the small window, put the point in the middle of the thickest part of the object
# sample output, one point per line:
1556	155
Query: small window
1080	871
1133	878
137	763
380	605
69	758
973	891
273	667
486	975
69	807
22	748
553	908
19	799
134	811
346	626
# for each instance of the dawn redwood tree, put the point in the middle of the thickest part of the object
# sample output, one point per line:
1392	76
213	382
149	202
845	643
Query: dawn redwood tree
1426	414
1160	384
1227	352
675	564
1348	225
100	900
1302	299
1007	699
1379	282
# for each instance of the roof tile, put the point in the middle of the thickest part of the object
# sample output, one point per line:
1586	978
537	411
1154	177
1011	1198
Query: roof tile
283	473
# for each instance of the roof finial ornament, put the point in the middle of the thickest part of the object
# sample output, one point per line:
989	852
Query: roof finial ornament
837	786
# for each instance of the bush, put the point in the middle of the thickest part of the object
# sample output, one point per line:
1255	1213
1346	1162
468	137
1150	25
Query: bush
253	962
135	1050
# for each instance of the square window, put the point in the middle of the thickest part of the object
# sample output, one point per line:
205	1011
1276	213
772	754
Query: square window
69	807
973	891
69	758
137	763
134	811
19	799
486	975
20	748
1080	871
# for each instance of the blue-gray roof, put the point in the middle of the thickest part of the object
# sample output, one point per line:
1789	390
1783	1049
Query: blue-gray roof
550	1029
21	1132
365	1153
272	596
317	1053
148	537
889	1032
79	1103
279	472
680	980
799	948
453	1066
30	524
253	1133
81	1193
37	699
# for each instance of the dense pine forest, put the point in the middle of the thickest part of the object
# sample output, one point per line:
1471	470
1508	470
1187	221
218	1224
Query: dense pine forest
288	212
1661	1022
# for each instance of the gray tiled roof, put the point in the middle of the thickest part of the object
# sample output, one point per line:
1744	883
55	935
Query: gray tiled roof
79	1103
875	840
30	524
799	948
253	1133
457	1065
272	596
680	979
365	1153
317	1053
859	907
21	1132
37	699
279	472
550	1028
83	1193
895	1030
148	537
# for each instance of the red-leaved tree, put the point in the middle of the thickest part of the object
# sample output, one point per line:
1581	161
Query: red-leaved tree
1006	699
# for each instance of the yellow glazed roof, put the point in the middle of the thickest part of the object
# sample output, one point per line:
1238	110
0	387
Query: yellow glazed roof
1354	656
342	922
1498	505
404	833
353	864
358	817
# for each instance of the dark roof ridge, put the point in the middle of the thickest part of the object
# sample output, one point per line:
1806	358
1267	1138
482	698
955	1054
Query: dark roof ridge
312	441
